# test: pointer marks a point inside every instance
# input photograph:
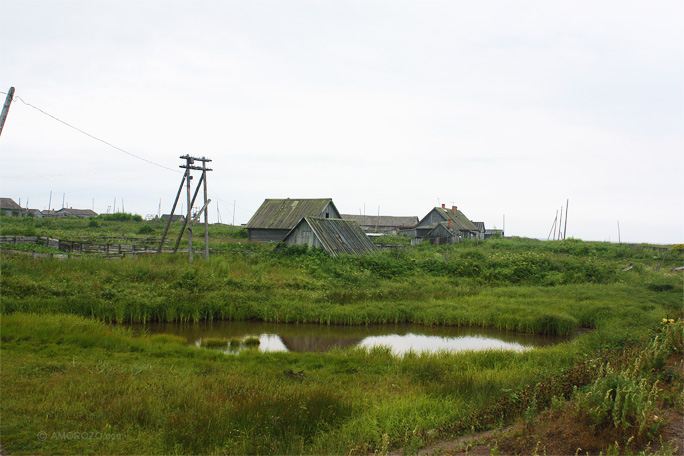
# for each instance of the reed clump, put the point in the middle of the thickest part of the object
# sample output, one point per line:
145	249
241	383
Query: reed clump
214	342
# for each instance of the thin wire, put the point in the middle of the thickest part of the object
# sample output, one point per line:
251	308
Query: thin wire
94	137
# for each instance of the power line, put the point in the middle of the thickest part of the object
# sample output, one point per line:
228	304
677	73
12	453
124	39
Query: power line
16	97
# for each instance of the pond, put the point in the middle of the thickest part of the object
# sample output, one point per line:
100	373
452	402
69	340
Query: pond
273	337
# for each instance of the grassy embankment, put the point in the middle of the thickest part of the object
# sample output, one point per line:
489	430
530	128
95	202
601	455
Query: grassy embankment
124	228
64	371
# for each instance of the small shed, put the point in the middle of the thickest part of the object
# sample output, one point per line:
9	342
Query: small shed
9	207
336	236
276	217
382	224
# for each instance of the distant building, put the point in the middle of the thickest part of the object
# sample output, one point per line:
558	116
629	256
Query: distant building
480	229
175	218
276	217
335	236
80	213
9	207
494	233
54	214
382	224
35	213
442	225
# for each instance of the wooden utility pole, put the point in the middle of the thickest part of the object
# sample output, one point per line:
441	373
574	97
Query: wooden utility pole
189	165
619	239
189	162
173	209
186	221
5	108
552	228
206	213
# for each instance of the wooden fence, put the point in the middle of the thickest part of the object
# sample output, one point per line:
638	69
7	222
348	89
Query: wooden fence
80	246
77	248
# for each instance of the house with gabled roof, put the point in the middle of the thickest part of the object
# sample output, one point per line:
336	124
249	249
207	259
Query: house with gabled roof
445	223
335	235
275	218
480	229
9	207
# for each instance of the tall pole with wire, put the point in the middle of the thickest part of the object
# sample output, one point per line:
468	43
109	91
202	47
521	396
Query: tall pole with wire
189	162
206	212
189	165
5	107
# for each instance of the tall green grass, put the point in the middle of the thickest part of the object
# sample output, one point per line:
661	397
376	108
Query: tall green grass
164	397
507	291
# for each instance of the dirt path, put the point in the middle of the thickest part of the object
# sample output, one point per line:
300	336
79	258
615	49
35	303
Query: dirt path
550	444
481	443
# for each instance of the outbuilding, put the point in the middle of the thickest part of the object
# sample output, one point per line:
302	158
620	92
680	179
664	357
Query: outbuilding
335	236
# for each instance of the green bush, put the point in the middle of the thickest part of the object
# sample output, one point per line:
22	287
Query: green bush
120	217
146	229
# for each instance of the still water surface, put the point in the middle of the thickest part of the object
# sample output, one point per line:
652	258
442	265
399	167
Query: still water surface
400	339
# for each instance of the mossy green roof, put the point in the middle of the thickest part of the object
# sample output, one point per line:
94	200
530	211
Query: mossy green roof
281	214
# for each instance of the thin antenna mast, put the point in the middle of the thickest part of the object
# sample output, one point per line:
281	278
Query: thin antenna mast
552	227
565	228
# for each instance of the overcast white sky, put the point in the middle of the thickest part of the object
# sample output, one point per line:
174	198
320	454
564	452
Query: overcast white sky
498	107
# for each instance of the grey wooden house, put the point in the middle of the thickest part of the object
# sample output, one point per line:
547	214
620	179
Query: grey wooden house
335	236
382	224
480	229
276	217
451	225
9	207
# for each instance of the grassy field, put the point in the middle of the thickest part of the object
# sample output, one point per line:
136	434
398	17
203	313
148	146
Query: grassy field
75	381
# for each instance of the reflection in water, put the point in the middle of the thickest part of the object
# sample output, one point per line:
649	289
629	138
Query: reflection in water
271	343
419	344
400	339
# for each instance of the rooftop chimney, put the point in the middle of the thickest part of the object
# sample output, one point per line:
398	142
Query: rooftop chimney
453	209
443	206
